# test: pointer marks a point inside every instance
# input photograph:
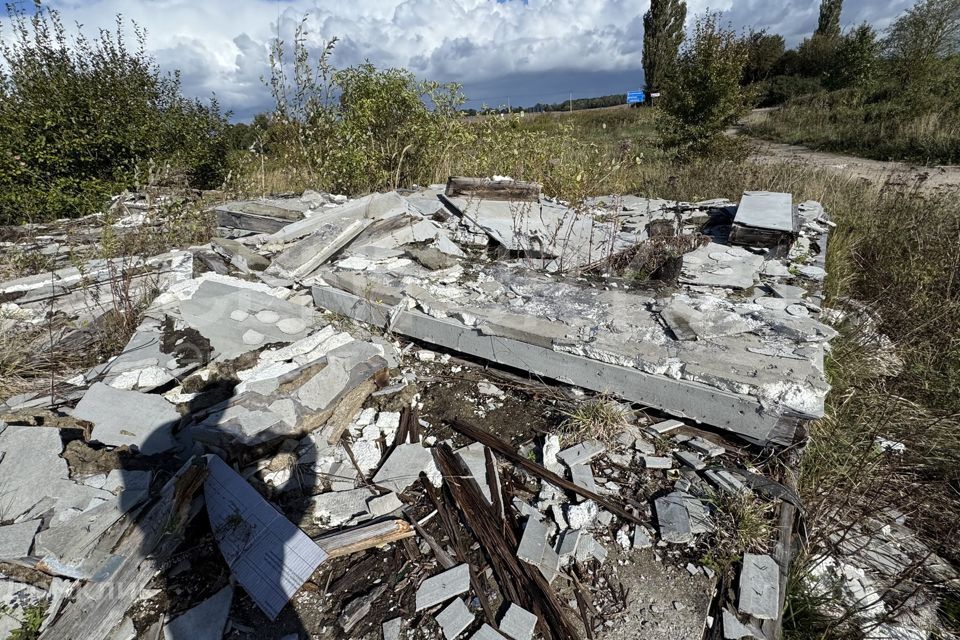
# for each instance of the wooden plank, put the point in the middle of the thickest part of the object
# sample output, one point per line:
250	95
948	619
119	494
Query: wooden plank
360	538
488	189
504	449
98	607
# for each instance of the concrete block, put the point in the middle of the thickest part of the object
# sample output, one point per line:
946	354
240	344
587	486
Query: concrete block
582	476
581	453
443	586
691	460
655	462
705	447
403	468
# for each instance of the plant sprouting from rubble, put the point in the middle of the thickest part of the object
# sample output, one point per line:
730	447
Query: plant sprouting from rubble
601	418
30	623
742	523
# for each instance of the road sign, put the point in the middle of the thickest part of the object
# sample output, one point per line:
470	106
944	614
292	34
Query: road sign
635	97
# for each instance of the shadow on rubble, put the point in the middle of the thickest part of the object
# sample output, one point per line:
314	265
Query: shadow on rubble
195	581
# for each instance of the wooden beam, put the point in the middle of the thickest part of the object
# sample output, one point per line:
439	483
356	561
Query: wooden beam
488	189
368	536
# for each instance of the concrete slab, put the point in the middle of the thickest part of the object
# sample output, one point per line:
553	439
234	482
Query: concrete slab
403	467
128	418
581	453
486	632
443	586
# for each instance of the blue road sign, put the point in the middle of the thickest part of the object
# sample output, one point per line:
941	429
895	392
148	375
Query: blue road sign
635	97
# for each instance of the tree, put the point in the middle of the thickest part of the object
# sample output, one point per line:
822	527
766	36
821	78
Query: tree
828	26
921	38
855	58
662	37
703	95
816	56
763	53
83	119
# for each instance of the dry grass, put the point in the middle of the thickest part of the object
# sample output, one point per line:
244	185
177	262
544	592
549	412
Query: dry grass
742	523
601	418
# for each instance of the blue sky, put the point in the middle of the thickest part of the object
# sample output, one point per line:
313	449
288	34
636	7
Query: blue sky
521	51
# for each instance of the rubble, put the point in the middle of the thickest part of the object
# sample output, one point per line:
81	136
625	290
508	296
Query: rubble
354	408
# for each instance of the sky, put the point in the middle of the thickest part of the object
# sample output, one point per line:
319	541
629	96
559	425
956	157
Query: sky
516	52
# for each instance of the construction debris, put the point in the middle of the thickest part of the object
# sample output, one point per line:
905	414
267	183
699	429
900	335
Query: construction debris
382	484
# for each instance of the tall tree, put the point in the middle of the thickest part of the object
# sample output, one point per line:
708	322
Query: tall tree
920	40
829	24
662	37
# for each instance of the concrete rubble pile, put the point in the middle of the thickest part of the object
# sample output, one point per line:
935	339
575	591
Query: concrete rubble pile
306	411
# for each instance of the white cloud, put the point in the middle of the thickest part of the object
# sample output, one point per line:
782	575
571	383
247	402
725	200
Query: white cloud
498	49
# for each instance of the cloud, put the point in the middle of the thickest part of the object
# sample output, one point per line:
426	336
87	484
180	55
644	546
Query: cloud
499	50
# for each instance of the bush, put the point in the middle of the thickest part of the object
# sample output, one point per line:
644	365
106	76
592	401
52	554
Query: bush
81	120
703	96
779	89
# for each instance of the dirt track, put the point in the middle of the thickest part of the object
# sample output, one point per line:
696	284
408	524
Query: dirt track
928	179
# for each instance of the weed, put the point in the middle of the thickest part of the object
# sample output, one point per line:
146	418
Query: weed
601	418
742	523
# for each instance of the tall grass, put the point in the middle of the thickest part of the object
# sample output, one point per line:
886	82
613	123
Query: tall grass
843	122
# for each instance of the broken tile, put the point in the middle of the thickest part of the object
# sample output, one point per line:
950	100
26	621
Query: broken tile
666	426
16	539
518	623
535	549
759	587
383	505
691	460
581	453
705	447
655	462
582	476
454	618
128	418
486	632
391	629
206	621
443	586
403	468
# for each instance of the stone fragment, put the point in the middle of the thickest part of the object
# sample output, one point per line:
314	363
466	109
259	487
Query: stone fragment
252	337
535	549
474	457
16	539
382	505
518	623
656	462
673	518
665	426
733	629
569	544
488	389
691	460
336	508
705	447
486	632
443	586
403	468
205	621
582	476
582	515
391	629
759	587
128	418
581	453
454	618
723	479
641	538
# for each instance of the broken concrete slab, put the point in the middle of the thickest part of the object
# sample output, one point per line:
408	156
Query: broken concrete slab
518	623
765	219
261	216
239	255
17	539
582	476
474	457
717	265
443	586
454	618
733	629
691	460
657	462
705	447
404	466
128	418
206	621
535	549
680	516
486	632
581	453
759	587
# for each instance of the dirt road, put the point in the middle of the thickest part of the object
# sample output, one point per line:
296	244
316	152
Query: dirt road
928	179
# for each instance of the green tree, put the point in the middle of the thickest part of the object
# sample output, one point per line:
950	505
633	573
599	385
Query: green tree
856	59
662	37
816	56
703	95
828	26
764	52
920	41
82	119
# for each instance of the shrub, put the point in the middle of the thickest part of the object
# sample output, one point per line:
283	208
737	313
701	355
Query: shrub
779	89
703	96
81	119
